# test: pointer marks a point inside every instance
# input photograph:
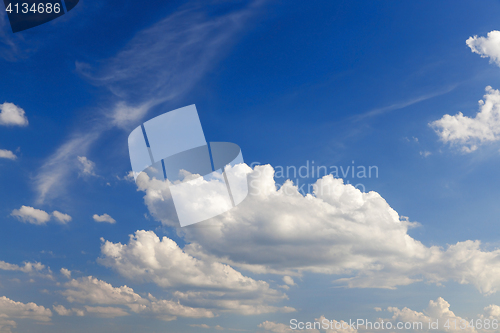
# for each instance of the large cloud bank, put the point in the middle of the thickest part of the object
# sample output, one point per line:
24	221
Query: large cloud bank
338	231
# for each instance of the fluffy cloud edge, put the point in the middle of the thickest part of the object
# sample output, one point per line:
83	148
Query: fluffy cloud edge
337	230
12	115
98	296
104	218
19	310
7	154
469	133
208	284
486	47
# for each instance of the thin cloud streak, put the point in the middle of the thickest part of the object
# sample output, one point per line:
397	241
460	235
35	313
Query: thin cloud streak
402	105
166	59
50	179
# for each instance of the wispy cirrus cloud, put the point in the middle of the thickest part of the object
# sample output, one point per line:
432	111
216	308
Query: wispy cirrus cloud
87	166
50	180
403	104
165	60
159	64
9	49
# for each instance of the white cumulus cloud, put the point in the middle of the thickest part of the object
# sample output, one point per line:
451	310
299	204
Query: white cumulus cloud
95	291
31	215
288	280
12	115
6	324
469	133
39	217
437	311
209	283
7	154
18	310
486	47
337	231
491	312
61	217
28	267
62	311
104	218
66	272
90	290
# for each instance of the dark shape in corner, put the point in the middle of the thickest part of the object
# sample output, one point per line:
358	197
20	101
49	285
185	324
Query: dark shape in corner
70	4
26	14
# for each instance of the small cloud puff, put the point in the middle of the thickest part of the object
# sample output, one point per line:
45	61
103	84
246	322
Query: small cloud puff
86	166
425	153
288	280
7	154
31	215
62	218
104	218
66	272
12	115
27	214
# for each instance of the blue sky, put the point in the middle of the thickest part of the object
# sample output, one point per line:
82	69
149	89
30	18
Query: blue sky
364	83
